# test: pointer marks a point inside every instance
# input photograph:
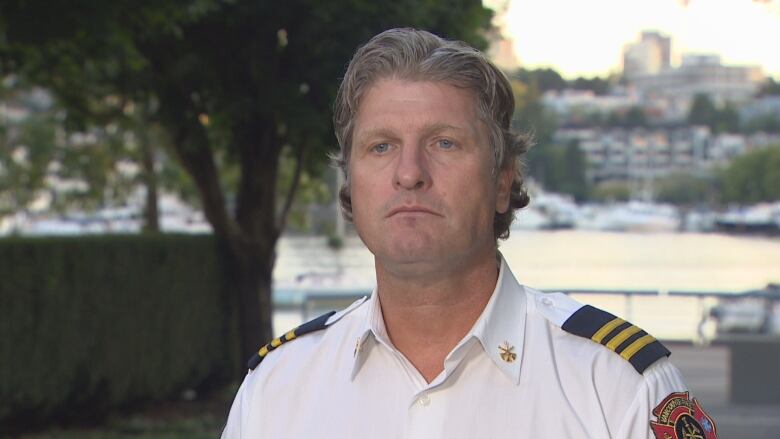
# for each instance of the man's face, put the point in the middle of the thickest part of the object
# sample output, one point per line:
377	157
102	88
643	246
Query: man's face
423	192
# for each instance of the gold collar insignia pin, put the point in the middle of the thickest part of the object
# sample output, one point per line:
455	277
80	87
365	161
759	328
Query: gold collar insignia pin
507	352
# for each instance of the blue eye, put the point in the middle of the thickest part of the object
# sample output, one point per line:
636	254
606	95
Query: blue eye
381	148
446	143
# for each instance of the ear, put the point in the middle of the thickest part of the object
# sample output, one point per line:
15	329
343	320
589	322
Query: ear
504	187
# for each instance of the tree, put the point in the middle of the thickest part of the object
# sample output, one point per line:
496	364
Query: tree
597	85
233	84
59	163
560	168
25	152
541	79
632	117
753	177
612	191
704	112
769	88
574	164
684	189
727	119
530	115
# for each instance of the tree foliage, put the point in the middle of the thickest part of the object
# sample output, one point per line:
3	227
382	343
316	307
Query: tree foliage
687	190
50	162
632	117
541	79
612	191
719	119
753	177
599	86
770	88
560	168
531	116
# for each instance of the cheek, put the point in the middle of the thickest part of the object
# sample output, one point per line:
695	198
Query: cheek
473	195
364	192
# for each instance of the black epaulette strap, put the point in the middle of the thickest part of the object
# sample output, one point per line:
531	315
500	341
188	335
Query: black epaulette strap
632	343
310	326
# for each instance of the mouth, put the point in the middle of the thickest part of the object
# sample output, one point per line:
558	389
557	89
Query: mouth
411	211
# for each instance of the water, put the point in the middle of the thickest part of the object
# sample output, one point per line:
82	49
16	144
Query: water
578	259
573	259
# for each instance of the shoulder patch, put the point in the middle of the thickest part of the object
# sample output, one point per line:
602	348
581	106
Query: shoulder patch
630	342
680	417
311	326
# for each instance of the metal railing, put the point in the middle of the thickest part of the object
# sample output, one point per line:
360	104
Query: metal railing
697	316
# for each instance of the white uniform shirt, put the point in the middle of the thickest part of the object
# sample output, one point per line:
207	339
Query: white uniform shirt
515	374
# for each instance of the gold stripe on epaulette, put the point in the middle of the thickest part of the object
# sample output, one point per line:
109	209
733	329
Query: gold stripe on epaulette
636	346
263	351
606	329
290	335
275	343
622	336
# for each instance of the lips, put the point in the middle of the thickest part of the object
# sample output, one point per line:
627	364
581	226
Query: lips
411	210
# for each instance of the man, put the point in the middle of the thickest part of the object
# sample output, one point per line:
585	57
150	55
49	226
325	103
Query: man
449	344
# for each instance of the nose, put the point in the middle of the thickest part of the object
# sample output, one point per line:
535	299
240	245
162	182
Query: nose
411	171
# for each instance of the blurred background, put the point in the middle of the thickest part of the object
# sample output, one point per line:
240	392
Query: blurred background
167	207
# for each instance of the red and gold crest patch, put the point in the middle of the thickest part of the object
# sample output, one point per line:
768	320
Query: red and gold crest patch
680	417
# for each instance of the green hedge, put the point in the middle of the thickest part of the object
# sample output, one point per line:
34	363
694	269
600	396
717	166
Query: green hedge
92	323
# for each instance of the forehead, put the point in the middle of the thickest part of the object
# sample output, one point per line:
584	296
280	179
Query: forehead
409	104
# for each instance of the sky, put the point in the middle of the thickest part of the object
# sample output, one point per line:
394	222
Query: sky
587	37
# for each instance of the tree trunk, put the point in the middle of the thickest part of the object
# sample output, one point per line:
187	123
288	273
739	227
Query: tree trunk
249	239
250	273
151	210
256	217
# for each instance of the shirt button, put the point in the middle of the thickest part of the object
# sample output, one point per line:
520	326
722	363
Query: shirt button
546	301
424	400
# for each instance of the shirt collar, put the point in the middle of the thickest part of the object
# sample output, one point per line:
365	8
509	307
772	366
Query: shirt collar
371	331
500	328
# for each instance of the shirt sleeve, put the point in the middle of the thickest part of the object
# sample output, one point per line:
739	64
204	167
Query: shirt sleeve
232	428
660	380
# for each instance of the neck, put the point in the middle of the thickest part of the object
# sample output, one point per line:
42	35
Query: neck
441	306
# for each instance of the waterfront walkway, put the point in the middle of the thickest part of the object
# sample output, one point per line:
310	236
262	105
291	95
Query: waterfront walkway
706	371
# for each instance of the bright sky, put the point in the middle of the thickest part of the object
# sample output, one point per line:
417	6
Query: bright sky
586	37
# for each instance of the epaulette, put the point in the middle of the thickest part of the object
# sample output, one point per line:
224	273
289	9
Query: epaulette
630	342
313	325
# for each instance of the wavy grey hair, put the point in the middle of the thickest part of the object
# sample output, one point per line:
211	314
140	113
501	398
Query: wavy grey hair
417	55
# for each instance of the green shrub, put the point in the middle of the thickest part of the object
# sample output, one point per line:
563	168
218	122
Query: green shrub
92	323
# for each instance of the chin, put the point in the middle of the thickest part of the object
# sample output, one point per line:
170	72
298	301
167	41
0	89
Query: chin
402	250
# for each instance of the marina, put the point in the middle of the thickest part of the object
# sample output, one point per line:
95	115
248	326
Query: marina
667	283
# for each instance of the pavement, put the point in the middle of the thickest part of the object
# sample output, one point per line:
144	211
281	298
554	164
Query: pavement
706	371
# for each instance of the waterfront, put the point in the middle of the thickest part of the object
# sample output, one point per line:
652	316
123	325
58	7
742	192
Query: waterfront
575	260
579	259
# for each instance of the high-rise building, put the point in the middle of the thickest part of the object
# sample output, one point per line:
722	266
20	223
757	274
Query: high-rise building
651	55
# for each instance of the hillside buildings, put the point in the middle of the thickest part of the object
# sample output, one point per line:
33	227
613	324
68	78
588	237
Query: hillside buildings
648	69
643	154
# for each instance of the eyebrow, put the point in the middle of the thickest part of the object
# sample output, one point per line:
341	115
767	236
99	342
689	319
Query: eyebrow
439	127
375	132
390	134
